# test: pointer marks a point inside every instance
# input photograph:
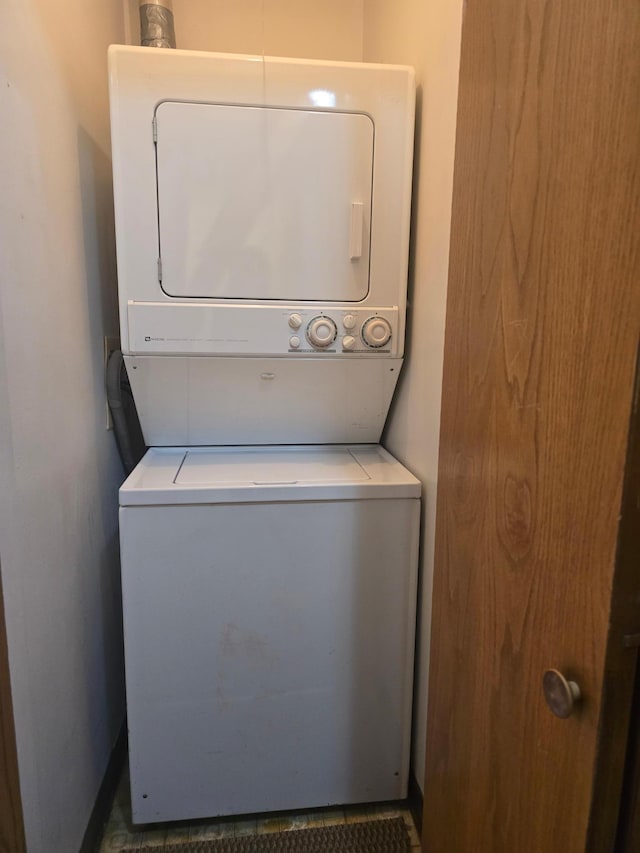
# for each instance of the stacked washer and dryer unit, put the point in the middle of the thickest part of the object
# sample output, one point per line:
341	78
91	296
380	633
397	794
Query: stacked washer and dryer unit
269	544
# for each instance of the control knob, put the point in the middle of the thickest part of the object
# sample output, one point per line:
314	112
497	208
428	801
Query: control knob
321	332
348	342
376	332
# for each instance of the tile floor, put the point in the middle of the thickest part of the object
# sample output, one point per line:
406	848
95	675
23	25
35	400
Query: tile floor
119	831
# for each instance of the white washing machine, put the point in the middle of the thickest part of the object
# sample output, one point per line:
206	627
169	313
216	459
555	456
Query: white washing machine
262	213
269	609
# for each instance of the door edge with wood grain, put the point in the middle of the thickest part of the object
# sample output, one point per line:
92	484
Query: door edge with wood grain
12	838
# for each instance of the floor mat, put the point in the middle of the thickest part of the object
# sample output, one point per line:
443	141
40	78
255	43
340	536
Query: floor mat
373	836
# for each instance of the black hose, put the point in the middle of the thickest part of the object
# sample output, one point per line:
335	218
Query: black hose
126	424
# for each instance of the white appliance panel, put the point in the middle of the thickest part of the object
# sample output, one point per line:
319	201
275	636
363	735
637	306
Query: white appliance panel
260	203
200	400
201	328
186	475
269	654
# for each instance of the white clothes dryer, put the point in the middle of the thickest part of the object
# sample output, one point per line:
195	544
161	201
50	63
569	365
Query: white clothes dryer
269	611
262	209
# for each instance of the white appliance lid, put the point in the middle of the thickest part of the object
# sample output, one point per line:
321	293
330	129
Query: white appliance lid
269	466
187	475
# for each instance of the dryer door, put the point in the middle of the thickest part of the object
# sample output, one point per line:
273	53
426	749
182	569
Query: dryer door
263	203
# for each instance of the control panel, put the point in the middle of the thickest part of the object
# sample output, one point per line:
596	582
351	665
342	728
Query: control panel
207	329
347	332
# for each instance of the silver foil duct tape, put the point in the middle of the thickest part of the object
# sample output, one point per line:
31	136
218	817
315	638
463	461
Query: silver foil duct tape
156	26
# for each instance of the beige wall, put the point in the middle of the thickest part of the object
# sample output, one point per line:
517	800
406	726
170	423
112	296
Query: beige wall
59	469
313	29
425	34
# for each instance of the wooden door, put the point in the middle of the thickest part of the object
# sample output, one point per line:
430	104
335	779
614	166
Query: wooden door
543	319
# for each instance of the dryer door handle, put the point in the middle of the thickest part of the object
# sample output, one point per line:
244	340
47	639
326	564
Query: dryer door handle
355	237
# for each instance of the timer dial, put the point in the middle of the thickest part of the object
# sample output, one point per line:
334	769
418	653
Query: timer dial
376	332
321	332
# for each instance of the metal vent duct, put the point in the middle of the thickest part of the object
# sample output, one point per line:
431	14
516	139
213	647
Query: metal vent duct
156	24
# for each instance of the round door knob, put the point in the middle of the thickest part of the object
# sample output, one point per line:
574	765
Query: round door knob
321	332
560	695
348	342
376	332
295	321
